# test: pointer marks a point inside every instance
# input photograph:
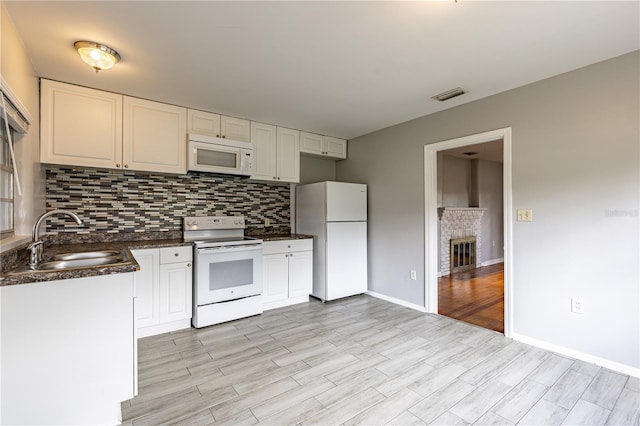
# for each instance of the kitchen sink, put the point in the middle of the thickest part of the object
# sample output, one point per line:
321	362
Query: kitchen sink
80	263
86	255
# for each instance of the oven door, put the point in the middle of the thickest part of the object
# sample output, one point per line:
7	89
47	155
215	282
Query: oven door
227	273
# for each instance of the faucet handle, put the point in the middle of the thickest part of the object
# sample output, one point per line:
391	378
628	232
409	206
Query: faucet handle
35	253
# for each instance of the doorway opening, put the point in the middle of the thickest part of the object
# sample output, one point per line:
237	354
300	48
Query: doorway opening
468	229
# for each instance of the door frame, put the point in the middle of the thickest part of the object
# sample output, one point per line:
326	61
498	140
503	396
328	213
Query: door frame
431	217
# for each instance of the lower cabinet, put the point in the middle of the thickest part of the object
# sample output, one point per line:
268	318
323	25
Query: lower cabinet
287	272
68	350
163	289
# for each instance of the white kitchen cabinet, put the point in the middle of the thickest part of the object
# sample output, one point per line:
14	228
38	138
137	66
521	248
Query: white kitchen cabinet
93	128
80	126
323	146
176	302
235	129
154	137
219	126
288	155
264	140
68	350
203	123
276	153
164	300
287	272
147	290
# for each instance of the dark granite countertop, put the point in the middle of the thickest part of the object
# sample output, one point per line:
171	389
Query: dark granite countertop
19	274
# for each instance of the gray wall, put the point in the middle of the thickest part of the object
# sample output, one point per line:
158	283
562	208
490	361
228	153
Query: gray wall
314	169
575	163
490	198
454	181
475	183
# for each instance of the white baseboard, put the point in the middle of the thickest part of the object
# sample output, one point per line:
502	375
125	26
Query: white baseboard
611	365
492	261
397	301
153	330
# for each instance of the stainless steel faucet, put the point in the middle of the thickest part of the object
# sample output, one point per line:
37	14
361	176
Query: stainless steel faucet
36	247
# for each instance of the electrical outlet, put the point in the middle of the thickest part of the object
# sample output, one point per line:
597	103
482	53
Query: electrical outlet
414	275
267	222
525	215
577	305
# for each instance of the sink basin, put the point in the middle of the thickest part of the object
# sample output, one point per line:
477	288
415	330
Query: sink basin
80	263
86	255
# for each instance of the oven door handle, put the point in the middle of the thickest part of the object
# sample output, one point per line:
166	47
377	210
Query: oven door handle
230	249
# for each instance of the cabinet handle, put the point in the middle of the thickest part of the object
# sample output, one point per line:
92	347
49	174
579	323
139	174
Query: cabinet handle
117	165
286	255
176	254
126	166
217	136
278	177
274	178
290	254
188	265
224	136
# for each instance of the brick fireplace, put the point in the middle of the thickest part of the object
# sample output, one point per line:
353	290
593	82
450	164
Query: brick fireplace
456	223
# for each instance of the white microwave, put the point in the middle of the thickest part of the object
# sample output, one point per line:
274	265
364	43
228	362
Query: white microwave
219	155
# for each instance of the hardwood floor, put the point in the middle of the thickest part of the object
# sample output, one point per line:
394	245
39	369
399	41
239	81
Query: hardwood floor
362	360
475	296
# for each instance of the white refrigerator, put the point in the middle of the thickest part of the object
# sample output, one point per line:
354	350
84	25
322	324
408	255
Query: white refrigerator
335	213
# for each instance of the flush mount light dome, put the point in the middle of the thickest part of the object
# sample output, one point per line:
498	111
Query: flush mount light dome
97	55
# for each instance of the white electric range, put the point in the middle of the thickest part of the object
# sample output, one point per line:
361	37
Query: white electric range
227	273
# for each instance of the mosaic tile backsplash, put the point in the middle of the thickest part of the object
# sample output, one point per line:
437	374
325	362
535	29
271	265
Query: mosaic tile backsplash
125	201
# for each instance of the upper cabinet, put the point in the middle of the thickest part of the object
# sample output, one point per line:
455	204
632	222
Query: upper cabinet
276	153
288	155
236	129
203	123
80	126
92	128
219	126
155	136
323	146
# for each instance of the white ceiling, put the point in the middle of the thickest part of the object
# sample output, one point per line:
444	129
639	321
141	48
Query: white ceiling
337	68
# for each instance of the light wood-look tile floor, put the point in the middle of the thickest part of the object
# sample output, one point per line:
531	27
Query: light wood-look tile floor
362	360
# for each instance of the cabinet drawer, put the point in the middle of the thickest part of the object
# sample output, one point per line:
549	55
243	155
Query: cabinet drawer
287	246
176	254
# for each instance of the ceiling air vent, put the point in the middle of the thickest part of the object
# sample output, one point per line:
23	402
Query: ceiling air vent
444	96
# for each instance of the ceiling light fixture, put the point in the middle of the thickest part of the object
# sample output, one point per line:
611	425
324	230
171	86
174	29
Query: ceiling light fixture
96	55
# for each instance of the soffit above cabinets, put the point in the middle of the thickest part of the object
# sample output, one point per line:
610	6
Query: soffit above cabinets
335	68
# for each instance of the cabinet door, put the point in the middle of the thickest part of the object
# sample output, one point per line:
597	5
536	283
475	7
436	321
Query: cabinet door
334	147
235	129
147	287
175	291
288	155
203	123
275	277
80	126
300	273
263	138
311	143
154	137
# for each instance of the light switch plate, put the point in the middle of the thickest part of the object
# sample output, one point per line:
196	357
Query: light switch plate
525	215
